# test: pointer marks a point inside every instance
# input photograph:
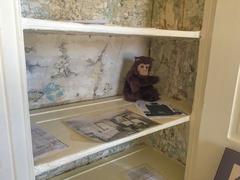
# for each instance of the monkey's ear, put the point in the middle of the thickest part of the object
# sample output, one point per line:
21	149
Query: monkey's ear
137	59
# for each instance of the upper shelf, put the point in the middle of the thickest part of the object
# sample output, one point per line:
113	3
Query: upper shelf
59	26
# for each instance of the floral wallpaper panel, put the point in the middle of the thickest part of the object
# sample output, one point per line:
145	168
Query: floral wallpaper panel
69	68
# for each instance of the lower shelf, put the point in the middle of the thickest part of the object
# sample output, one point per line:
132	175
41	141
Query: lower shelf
80	146
118	167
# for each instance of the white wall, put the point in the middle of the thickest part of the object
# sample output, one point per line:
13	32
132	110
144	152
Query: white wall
219	93
6	160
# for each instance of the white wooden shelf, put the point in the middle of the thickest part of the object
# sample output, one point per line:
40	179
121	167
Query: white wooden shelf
118	166
29	24
80	146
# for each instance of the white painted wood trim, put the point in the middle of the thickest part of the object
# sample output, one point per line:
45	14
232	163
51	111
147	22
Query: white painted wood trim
68	27
70	158
201	80
161	164
52	120
16	118
234	128
6	155
72	106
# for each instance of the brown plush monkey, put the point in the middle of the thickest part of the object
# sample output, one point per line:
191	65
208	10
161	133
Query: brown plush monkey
139	84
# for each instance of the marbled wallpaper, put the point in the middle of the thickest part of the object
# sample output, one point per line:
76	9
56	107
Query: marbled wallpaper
69	68
120	12
172	141
178	14
163	14
193	15
176	65
168	14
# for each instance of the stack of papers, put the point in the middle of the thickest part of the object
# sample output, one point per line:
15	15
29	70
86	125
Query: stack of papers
156	109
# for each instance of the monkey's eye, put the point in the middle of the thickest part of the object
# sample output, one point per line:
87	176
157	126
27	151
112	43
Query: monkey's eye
142	66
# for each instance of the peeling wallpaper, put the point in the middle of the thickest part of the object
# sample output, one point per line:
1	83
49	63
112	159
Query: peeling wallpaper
120	12
176	65
69	68
133	13
167	14
178	14
193	15
163	14
172	141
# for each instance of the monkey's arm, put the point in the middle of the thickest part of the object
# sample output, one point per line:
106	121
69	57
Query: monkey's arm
148	81
134	83
153	79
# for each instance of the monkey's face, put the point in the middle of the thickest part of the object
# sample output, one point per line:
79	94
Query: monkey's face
143	69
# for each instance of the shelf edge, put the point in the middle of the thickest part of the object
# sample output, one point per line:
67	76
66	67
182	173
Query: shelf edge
40	169
59	26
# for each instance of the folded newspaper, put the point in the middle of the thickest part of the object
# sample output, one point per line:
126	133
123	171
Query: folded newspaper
156	109
113	127
43	142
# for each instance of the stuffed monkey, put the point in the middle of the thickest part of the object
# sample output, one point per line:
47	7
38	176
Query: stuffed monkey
139	83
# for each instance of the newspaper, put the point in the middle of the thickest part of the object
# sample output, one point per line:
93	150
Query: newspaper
116	126
156	109
143	173
43	142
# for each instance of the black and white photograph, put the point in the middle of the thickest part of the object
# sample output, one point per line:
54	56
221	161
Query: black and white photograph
113	127
44	142
157	109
